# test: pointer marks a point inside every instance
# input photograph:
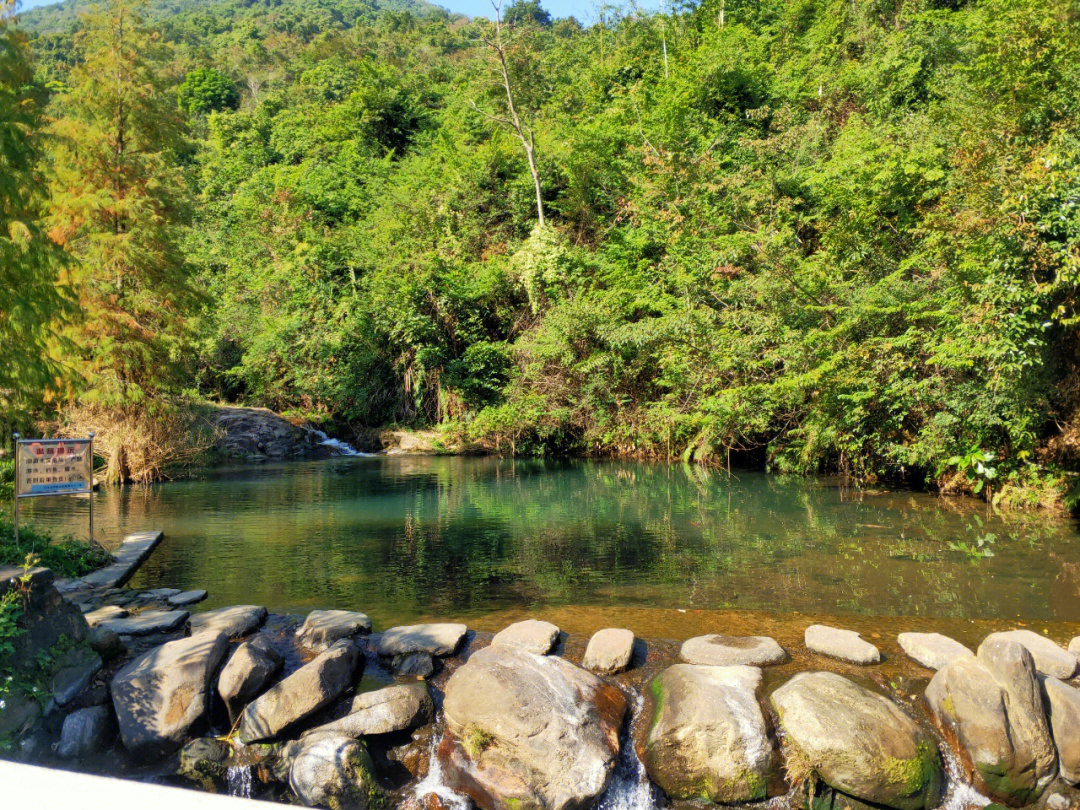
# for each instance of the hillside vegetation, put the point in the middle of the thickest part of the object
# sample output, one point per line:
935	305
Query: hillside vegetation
808	235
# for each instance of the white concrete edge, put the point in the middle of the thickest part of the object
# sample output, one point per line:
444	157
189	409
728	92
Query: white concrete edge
31	786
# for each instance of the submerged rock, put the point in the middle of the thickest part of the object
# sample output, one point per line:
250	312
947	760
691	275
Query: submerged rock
1050	658
529	731
718	650
992	705
235	622
395	708
335	772
312	687
417	665
932	650
323	628
434	639
609	651
847	645
248	670
86	731
163	696
1063	705
531	635
858	742
708	736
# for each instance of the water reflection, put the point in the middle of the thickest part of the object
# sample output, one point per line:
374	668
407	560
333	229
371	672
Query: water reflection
404	537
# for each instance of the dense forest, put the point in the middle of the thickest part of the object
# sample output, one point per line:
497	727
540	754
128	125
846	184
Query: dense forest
807	235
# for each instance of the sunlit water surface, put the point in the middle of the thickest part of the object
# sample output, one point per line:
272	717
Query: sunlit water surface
409	538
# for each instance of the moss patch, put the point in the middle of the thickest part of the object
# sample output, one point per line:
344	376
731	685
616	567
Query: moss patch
477	740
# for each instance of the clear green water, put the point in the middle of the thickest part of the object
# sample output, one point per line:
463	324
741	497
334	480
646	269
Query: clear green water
409	537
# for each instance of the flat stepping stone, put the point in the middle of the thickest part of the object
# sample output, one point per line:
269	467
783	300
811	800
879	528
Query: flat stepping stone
127	558
531	635
149	621
847	645
1050	658
384	711
609	651
719	650
433	639
322	628
932	650
187	598
158	593
235	622
104	614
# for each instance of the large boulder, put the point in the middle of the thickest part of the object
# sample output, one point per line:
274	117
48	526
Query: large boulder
992	705
531	635
609	651
163	696
1063	704
247	672
708	736
322	628
86	731
433	639
858	742
1050	658
718	650
932	650
847	645
529	732
395	708
312	687
235	622
335	772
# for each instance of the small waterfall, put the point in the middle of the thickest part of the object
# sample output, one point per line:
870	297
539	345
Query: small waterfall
959	794
434	783
630	788
238	781
341	447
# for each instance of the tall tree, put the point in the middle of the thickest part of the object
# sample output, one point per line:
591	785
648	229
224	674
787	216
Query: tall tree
30	300
116	206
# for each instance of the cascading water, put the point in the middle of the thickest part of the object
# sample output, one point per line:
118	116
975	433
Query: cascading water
434	783
238	781
630	788
959	794
342	448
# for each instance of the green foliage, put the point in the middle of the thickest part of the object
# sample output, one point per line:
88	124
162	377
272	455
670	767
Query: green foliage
823	235
206	90
67	557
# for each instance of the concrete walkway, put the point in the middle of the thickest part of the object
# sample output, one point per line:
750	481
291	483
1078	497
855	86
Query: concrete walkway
127	558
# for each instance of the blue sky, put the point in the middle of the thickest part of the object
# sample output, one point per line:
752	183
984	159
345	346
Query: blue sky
584	10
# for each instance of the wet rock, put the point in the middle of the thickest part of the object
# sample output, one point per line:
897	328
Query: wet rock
73	673
992	705
932	650
609	651
434	639
529	730
416	665
1050	659
106	643
531	635
187	598
722	651
104	614
312	687
147	622
1063	707
248	671
708	736
395	708
86	731
847	645
322	628
334	772
235	622
163	696
205	760
858	742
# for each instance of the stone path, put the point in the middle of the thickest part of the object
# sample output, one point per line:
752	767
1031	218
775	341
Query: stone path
127	558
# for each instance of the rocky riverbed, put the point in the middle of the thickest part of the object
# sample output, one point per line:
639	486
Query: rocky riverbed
326	710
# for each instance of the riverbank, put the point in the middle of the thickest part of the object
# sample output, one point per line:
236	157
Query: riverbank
333	711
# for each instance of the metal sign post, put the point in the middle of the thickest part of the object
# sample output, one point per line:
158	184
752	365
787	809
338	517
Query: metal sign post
53	467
